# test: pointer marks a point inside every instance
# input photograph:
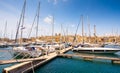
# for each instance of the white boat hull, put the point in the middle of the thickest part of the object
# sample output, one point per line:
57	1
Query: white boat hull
22	51
95	50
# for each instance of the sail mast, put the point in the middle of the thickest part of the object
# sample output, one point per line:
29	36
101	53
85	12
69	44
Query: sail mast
52	29
61	34
95	34
75	37
82	30
19	24
5	30
38	12
22	26
89	30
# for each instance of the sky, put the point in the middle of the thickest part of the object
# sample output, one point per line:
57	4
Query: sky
105	14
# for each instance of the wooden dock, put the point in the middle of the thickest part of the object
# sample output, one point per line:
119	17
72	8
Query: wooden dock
91	57
19	60
25	67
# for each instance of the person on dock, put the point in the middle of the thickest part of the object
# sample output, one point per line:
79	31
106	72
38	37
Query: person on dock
47	50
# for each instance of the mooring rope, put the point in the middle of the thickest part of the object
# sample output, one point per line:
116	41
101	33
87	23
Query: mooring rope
17	55
32	67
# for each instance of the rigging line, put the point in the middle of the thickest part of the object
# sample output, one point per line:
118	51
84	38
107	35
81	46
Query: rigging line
29	56
82	29
32	66
10	52
38	13
63	30
5	31
17	55
22	26
25	54
19	23
33	71
76	31
32	26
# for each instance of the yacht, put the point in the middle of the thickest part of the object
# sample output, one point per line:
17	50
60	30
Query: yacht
86	48
32	51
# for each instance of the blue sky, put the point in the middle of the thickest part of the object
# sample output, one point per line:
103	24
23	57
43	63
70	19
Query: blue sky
105	14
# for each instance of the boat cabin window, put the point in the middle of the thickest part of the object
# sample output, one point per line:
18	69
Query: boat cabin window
30	48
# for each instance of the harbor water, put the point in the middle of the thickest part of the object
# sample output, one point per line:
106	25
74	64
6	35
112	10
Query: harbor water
65	65
5	54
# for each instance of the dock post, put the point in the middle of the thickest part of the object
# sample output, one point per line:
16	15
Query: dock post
87	59
115	62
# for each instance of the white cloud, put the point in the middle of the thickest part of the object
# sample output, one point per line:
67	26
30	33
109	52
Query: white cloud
72	25
49	19
56	1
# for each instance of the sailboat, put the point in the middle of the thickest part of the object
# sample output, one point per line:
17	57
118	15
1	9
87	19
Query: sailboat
33	51
89	48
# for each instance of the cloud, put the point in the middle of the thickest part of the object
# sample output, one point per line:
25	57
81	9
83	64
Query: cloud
49	19
56	1
72	25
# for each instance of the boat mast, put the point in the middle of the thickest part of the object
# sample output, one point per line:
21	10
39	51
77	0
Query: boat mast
61	35
19	24
67	35
115	36
89	30
11	34
75	37
82	30
5	30
38	12
52	29
22	26
60	42
95	34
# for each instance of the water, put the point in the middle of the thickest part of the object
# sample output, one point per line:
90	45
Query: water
65	65
5	55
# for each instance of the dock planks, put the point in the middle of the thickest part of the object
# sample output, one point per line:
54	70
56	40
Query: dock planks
19	60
